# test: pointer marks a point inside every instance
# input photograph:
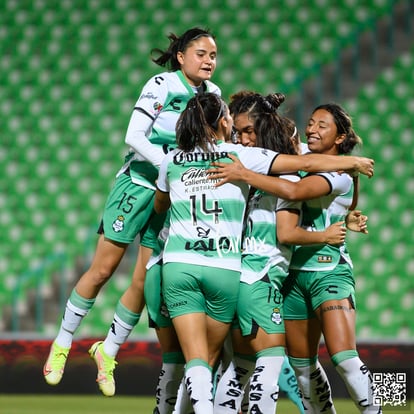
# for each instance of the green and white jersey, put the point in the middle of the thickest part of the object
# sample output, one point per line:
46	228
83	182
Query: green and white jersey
206	222
162	99
317	215
261	249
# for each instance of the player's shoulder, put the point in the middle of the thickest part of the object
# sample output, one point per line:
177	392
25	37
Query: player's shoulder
213	88
163	78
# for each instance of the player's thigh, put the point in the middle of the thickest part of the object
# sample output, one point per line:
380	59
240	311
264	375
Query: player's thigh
216	334
158	315
338	325
191	329
167	337
303	337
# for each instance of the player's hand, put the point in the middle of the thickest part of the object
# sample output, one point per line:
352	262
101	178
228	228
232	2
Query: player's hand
227	172
335	233
356	221
364	166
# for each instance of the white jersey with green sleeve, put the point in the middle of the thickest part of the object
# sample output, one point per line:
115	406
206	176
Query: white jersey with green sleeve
317	215
206	221
261	249
162	99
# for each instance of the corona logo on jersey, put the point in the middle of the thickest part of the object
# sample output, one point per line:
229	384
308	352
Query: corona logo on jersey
182	157
118	224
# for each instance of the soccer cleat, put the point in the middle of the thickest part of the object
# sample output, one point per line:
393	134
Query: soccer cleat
55	364
106	366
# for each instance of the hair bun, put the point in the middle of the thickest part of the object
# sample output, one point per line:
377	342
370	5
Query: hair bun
275	100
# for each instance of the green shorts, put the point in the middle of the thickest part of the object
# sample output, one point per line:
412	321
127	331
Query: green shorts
149	235
158	315
189	288
306	291
260	305
127	210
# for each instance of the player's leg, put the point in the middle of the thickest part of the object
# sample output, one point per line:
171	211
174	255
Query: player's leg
289	384
171	373
124	321
129	307
263	326
186	305
107	257
264	388
339	333
172	369
303	333
303	338
201	318
337	315
192	333
232	385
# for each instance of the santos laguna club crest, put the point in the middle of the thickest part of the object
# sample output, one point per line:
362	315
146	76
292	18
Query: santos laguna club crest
118	224
276	316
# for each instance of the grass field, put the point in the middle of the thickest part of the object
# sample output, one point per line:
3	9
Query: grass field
71	404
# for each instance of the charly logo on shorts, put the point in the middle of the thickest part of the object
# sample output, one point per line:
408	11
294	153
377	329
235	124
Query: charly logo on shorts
118	224
276	316
164	311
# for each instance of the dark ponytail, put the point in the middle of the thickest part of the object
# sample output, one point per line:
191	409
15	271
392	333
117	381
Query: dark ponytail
198	123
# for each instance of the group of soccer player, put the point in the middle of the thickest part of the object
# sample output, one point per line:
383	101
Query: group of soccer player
241	270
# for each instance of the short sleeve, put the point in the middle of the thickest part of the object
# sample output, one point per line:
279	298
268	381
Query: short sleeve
283	204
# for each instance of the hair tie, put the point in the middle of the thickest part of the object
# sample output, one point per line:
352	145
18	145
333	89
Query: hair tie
268	106
295	131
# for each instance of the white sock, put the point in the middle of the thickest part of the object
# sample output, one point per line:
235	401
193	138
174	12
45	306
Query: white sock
199	384
314	386
230	388
169	381
264	388
183	404
70	322
117	335
122	325
358	381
